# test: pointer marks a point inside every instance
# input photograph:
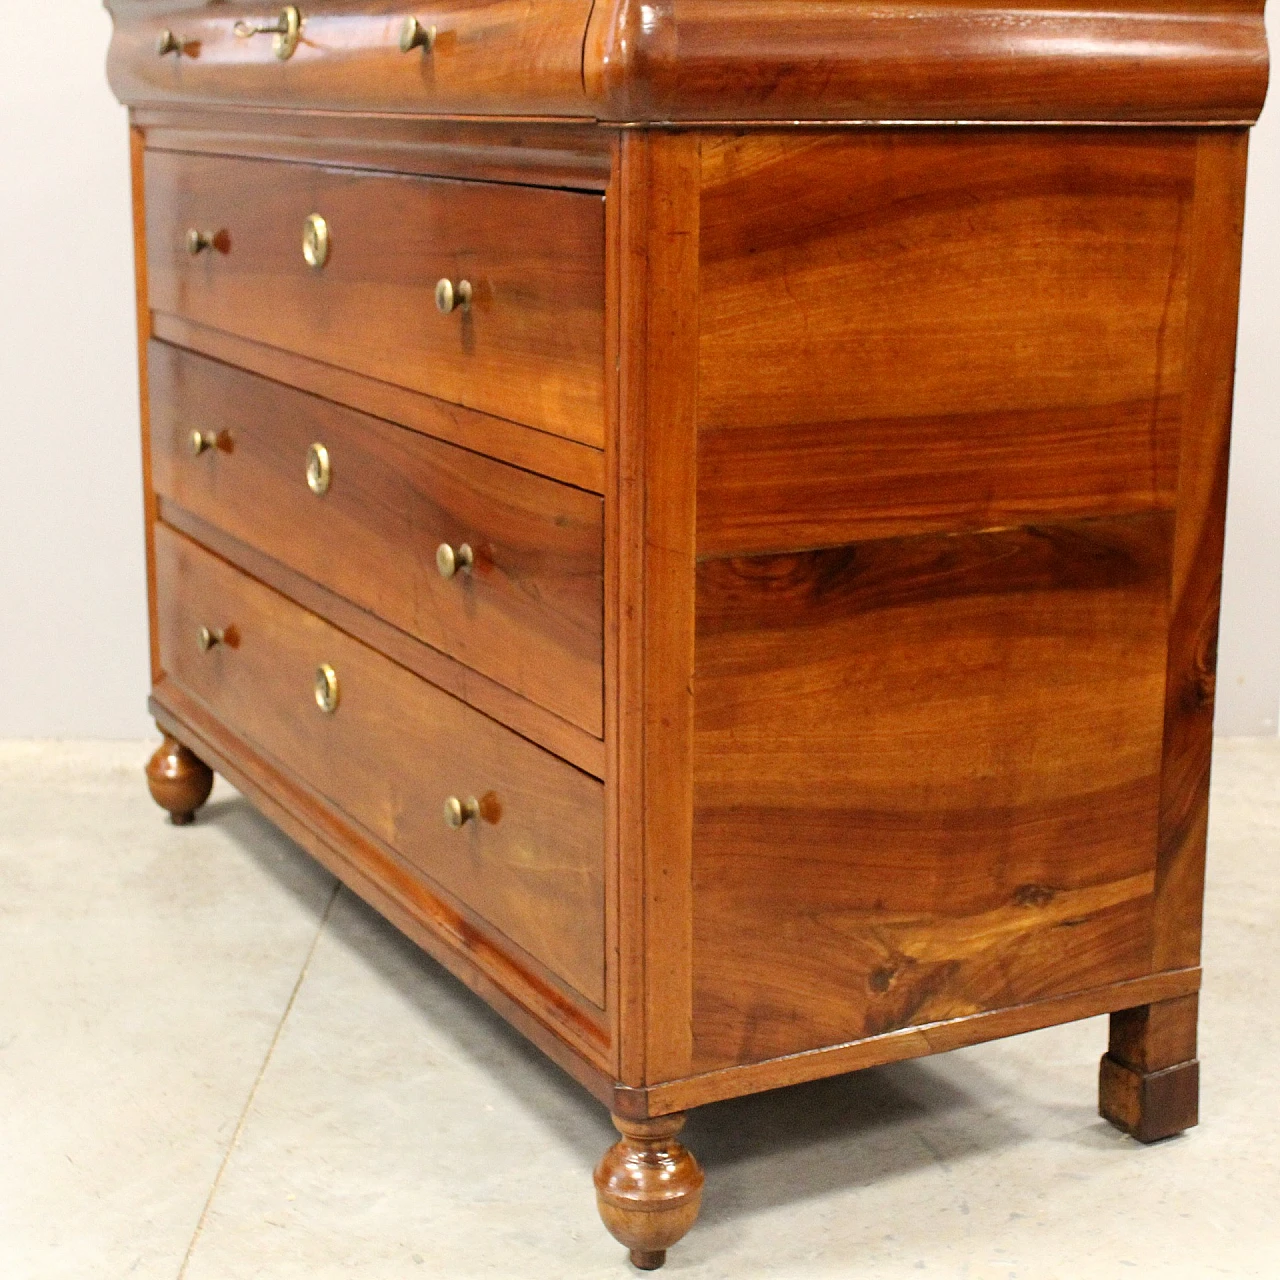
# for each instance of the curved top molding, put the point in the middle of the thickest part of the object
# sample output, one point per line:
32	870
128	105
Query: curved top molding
1139	61
716	61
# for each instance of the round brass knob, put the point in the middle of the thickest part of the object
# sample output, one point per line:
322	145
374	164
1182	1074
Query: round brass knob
449	561
319	470
451	297
413	35
198	241
457	813
326	688
208	637
315	241
169	43
202	440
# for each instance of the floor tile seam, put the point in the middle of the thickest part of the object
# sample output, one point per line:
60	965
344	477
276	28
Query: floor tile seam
257	1083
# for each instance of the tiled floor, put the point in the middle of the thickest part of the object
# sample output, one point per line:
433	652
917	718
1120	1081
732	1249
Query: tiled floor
214	1065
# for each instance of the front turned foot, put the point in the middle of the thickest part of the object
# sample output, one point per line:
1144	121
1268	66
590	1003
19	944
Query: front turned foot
648	1188
179	780
1149	1083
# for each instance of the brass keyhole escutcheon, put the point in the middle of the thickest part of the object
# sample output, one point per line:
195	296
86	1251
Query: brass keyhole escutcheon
315	241
286	31
457	813
319	469
326	688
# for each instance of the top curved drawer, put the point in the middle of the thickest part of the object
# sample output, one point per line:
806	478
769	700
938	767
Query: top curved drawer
508	57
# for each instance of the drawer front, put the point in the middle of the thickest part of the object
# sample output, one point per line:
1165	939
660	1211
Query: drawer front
529	612
493	57
530	862
528	347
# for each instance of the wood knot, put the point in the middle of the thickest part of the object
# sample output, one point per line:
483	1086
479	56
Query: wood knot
1034	895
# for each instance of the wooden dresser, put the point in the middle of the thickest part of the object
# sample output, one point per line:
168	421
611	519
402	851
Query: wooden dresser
708	514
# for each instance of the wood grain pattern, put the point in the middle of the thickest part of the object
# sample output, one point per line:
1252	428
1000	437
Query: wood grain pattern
655	576
1198	543
547	154
504	57
897	1046
966	331
1149	1078
648	1188
563	1026
529	613
530	347
179	781
926	779
467	685
566	460
530	864
902	60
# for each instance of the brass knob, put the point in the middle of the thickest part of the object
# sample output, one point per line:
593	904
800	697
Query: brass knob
202	440
449	561
457	813
315	241
286	30
199	241
319	470
208	637
449	296
413	35
169	43
326	688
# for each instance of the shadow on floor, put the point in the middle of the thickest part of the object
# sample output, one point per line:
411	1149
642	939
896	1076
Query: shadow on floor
762	1151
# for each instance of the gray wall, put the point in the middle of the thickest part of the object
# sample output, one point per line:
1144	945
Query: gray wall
73	648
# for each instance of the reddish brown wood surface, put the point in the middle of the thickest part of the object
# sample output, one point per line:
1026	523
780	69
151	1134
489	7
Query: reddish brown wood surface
530	862
576	464
496	701
1214	272
966	330
1149	1080
910	1042
528	613
655	581
900	60
563	1026
547	153
926	779
649	1188
717	60
529	348
179	780
504	57
941	406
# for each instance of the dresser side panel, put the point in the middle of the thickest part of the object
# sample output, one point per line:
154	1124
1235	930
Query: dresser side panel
941	398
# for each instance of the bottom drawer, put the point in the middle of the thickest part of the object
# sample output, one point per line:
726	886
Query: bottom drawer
525	850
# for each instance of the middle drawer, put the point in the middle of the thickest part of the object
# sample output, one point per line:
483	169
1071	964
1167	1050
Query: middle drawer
380	514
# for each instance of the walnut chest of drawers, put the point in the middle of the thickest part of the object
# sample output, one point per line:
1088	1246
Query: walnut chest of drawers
707	514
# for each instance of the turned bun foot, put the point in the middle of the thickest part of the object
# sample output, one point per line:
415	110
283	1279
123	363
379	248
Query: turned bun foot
648	1188
179	780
